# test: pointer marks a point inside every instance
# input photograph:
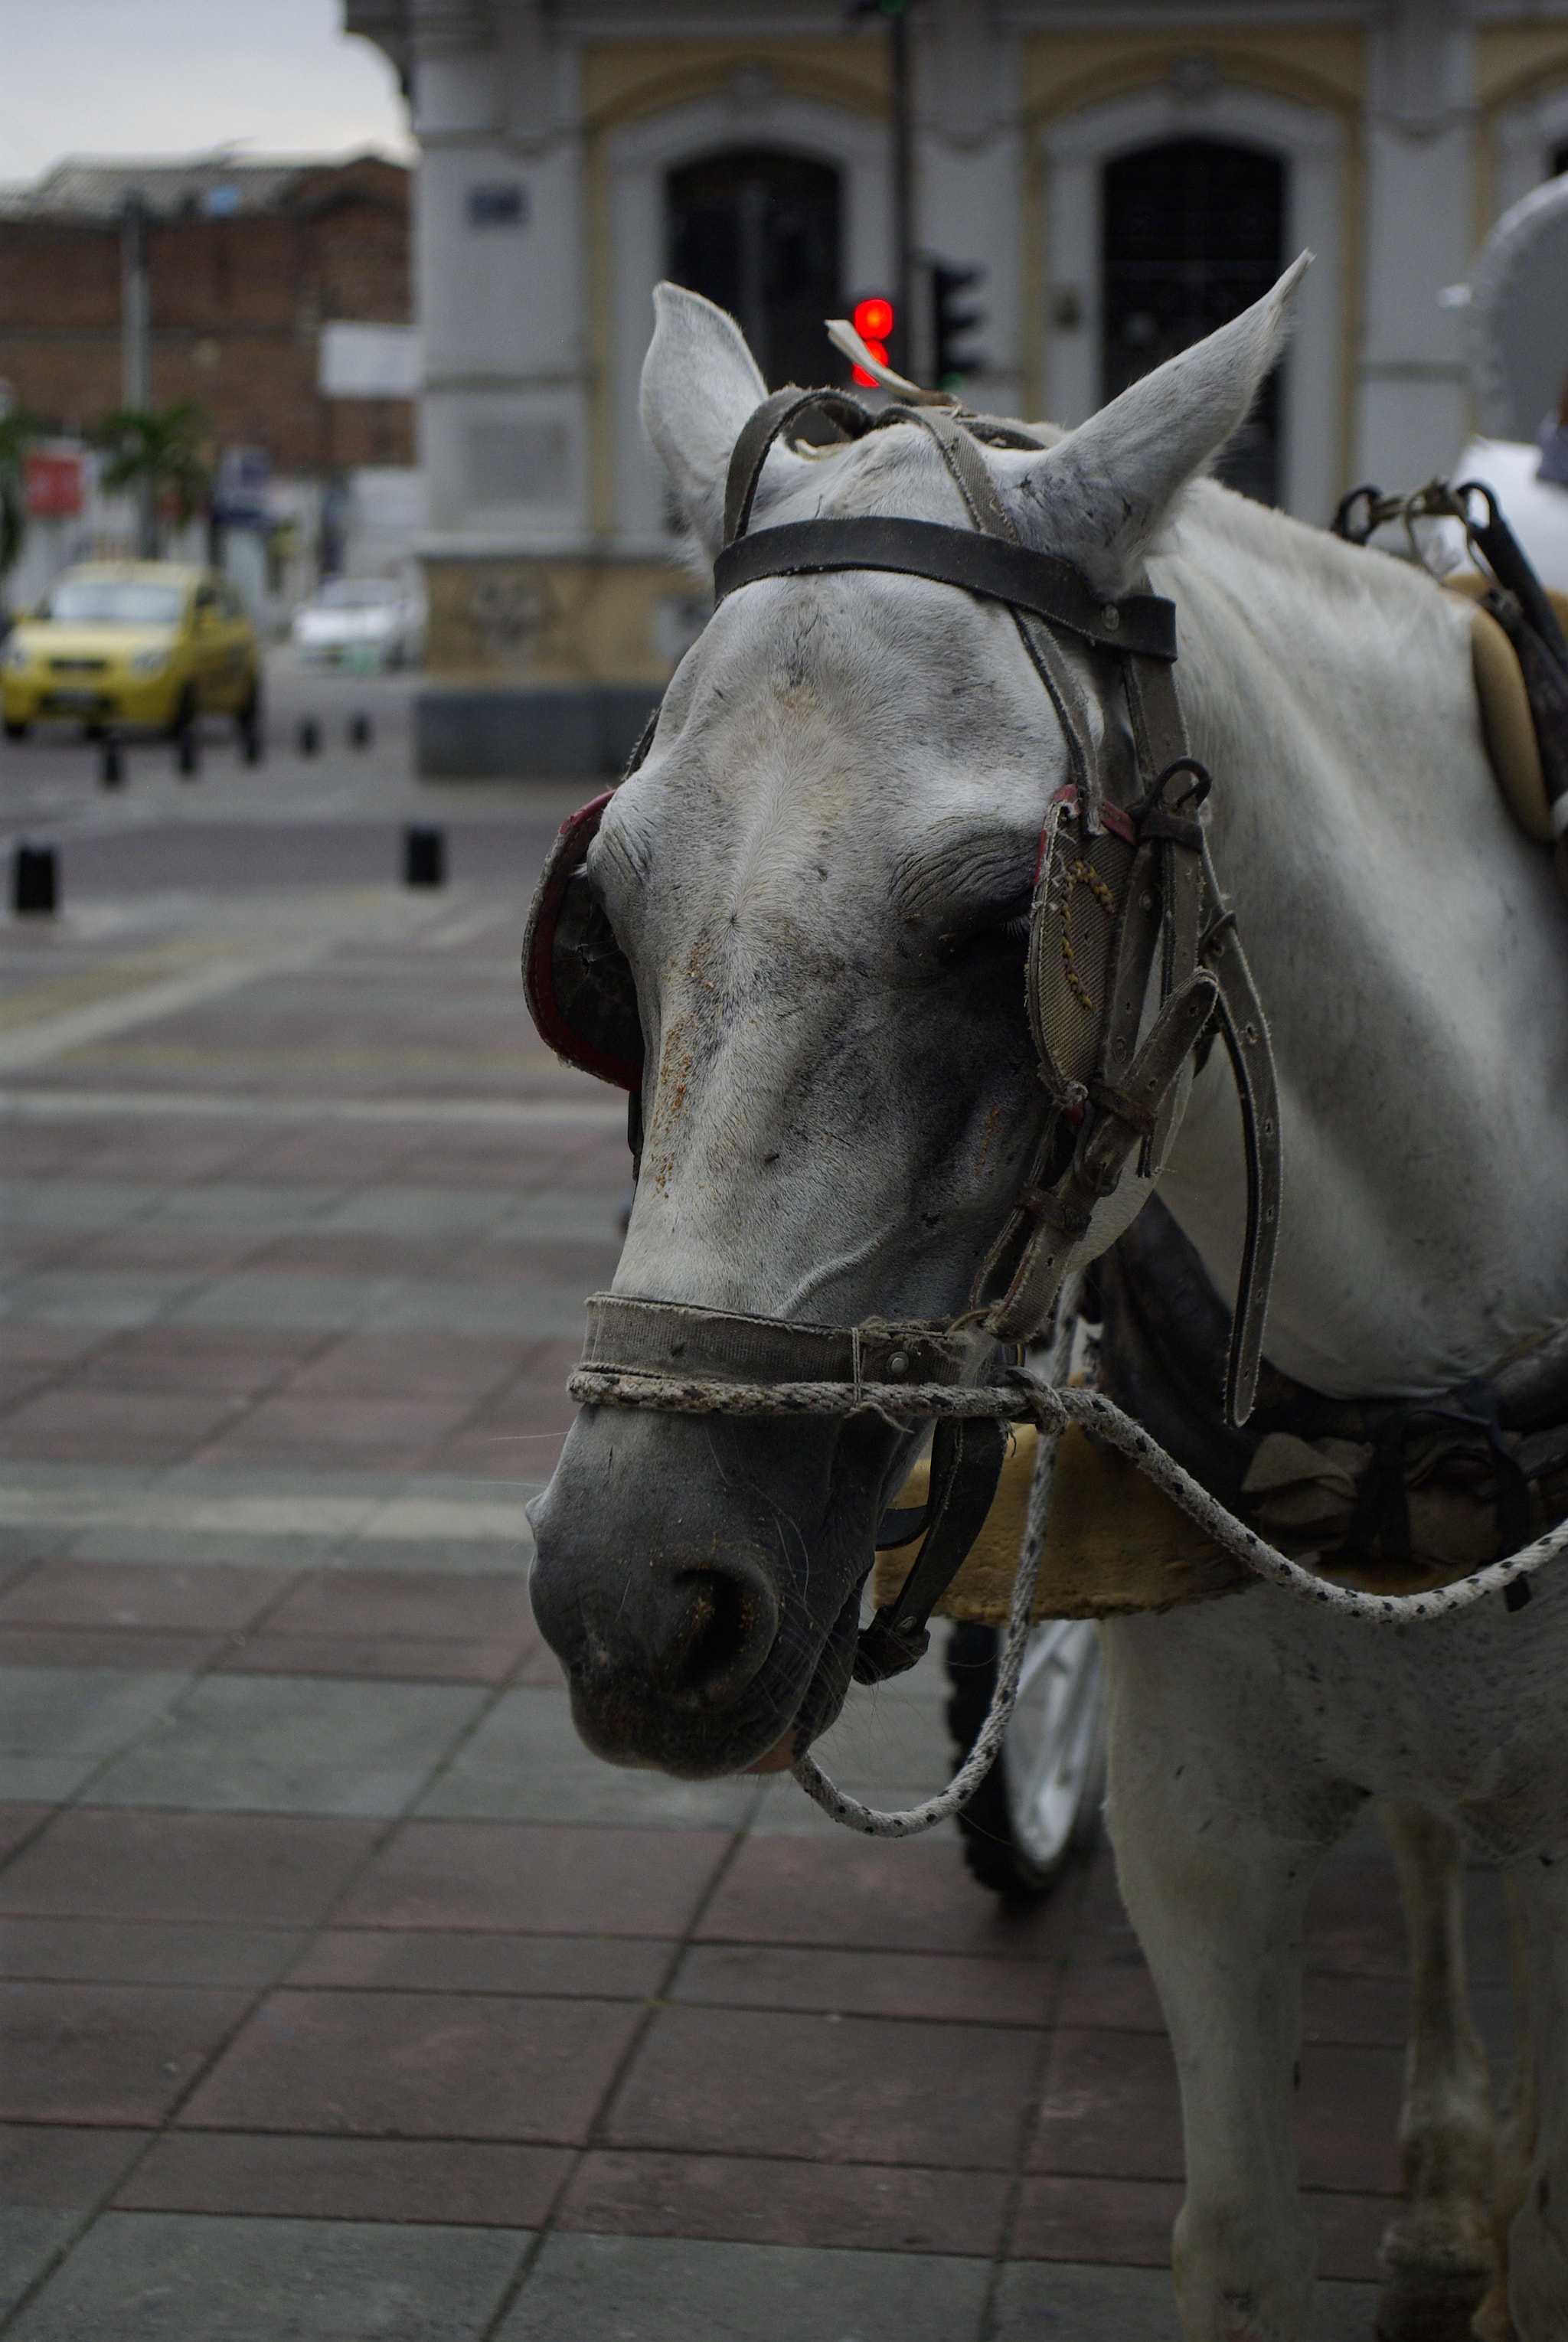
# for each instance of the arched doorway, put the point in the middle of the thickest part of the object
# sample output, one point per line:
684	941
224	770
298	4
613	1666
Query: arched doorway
1191	232
760	232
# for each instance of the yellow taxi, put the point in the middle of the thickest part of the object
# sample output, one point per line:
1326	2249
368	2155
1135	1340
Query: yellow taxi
116	643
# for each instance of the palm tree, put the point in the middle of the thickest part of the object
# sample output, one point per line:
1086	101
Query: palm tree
158	451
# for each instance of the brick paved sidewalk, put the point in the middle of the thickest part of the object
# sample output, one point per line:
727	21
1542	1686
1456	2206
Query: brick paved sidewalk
346	1995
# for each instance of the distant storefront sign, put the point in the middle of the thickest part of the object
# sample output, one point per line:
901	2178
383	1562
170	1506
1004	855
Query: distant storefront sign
360	361
55	482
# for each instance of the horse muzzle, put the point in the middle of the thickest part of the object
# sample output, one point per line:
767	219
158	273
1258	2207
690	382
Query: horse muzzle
690	1577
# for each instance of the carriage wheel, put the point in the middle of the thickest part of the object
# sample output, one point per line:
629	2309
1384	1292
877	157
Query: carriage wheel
1039	1805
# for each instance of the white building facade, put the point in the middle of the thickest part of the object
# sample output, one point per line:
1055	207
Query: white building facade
1125	175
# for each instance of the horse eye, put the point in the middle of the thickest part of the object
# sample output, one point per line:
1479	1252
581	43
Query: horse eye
1002	932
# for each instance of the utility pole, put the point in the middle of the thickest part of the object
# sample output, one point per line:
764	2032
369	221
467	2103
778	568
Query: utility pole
135	352
903	353
901	350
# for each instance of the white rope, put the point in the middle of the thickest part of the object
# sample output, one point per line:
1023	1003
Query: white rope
1031	1398
837	1802
841	1807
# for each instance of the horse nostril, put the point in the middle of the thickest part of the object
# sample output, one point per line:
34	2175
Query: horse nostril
713	1632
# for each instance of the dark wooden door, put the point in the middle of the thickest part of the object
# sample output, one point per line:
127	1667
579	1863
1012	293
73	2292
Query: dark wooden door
1193	232
759	232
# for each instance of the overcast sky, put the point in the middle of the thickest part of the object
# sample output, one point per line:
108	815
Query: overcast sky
182	76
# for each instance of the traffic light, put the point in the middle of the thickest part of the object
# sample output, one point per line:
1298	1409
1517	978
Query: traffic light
950	322
874	324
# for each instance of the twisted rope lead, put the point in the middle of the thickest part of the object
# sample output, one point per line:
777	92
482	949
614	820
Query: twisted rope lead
1031	1398
840	1806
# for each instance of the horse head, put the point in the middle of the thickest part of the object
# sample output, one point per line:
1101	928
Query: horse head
820	875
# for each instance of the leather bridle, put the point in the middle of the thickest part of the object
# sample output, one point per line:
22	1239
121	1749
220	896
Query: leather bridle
1127	912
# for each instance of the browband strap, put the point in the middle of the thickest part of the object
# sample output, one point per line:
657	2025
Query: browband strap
1040	583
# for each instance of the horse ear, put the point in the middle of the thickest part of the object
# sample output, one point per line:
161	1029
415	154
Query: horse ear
1103	492
700	383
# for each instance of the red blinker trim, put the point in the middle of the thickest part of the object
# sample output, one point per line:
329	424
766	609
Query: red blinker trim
576	835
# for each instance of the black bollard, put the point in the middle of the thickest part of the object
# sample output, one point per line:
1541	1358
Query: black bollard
359	731
34	882
309	736
190	751
111	764
423	858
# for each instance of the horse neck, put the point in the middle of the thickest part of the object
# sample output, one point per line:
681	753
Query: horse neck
1411	952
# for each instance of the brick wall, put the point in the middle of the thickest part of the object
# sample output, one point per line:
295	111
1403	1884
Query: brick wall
237	305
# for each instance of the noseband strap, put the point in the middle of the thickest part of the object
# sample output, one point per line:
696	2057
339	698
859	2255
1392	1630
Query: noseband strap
676	1339
671	1354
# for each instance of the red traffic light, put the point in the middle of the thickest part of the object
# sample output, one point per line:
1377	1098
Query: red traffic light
873	323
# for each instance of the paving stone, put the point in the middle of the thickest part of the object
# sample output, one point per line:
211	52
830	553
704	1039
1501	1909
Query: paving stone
1350	2230
425	1605
879	1895
286	1744
521	1879
460	2182
234	1868
656	2289
198	1358
165	1245
389	1659
96	1594
379	1259
1354	1924
437	1306
17	1823
1126	2222
101	1301
1059	2303
28	2241
1110	2105
66	2169
764	2200
1039	2302
115	2054
417	2064
121	1951
526	1763
868	1984
594	1967
840	2089
1348	2118
131	1649
142	2276
401	1433
151	1428
57	1723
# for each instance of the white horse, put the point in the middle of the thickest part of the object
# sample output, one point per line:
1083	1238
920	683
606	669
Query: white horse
819	875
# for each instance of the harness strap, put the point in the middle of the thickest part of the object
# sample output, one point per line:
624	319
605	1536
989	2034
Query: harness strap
755	445
626	1334
971	474
1245	1031
1106	1138
988	565
965	1467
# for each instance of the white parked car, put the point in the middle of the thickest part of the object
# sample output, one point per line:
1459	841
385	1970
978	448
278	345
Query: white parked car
378	620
